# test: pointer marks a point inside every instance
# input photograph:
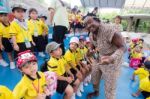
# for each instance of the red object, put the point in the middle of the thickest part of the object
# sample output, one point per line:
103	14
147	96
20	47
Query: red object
11	17
135	62
24	57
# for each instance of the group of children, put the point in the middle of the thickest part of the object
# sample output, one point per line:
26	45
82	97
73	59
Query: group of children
62	73
22	34
141	64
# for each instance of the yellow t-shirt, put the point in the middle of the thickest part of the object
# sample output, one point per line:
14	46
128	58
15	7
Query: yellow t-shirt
19	32
142	73
36	26
1	29
5	93
57	65
148	98
28	88
82	53
5	31
145	84
71	57
136	55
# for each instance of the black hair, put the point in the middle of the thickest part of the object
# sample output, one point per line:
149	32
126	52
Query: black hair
32	10
44	67
141	40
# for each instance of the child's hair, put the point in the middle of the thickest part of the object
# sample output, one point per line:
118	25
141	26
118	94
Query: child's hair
44	66
32	10
141	40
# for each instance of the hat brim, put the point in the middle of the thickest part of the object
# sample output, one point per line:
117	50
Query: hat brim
58	45
23	64
3	12
15	8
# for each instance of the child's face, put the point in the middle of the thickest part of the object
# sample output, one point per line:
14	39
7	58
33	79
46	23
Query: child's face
34	15
117	20
81	44
30	68
137	49
57	53
4	18
43	19
73	46
19	14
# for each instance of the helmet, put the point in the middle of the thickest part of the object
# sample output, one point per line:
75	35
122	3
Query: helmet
25	57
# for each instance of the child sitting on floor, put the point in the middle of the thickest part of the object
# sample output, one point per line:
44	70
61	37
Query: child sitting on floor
32	85
67	82
144	86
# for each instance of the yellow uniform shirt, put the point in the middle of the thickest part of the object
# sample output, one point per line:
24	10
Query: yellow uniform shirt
136	55
19	32
5	93
71	57
145	84
36	26
28	88
57	65
82	53
5	31
142	73
1	27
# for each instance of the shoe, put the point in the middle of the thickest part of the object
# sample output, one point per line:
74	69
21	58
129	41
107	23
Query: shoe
81	87
41	54
79	94
93	94
125	64
85	84
12	65
3	63
73	96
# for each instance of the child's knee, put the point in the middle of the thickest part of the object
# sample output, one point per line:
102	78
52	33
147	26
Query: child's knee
77	82
69	90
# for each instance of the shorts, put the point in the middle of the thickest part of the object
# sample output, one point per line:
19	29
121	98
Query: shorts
7	45
40	43
62	85
22	47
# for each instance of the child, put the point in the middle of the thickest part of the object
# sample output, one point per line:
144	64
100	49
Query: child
22	39
141	73
5	93
144	87
5	40
38	29
72	59
32	85
44	18
67	83
136	57
2	62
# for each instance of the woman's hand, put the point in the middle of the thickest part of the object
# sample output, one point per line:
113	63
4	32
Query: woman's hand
106	59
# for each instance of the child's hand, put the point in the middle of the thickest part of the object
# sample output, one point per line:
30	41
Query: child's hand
16	47
2	47
41	96
69	79
135	95
33	43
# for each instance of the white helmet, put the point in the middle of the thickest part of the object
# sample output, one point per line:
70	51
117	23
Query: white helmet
74	40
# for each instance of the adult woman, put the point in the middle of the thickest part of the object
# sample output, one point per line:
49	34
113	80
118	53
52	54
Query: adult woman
111	48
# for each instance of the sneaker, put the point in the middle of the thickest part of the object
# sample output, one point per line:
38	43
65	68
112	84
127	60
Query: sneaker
12	65
3	63
41	54
81	87
85	84
73	96
79	94
125	64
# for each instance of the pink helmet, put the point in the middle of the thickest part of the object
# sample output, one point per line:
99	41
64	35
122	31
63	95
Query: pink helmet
24	57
